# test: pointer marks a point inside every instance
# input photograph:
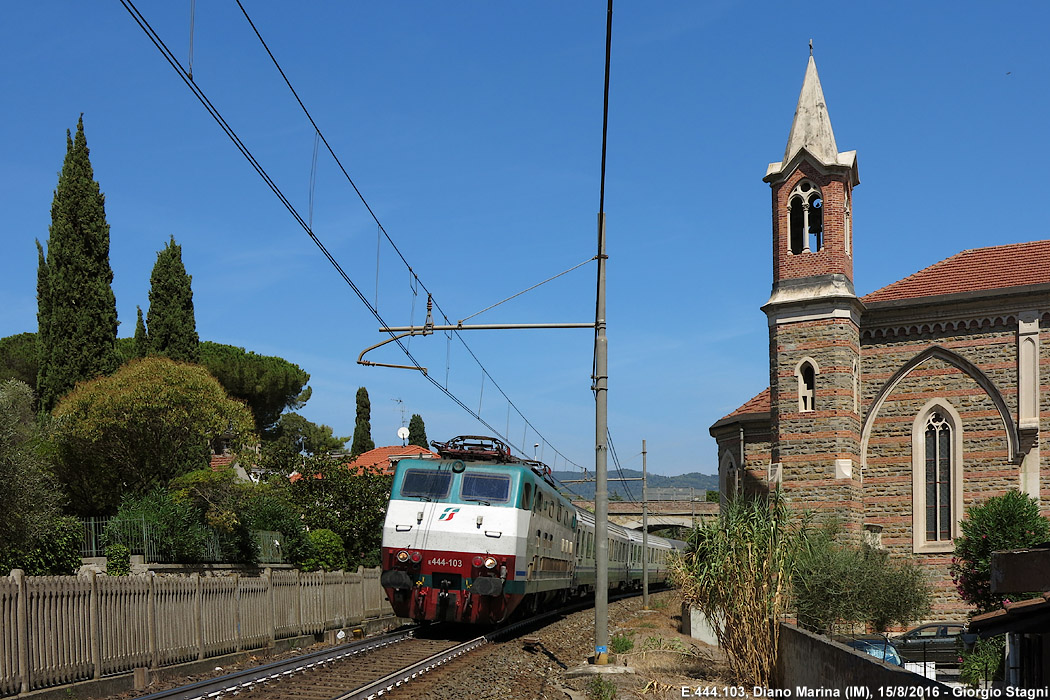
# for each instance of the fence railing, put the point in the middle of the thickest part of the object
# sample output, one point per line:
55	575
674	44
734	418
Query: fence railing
141	537
61	629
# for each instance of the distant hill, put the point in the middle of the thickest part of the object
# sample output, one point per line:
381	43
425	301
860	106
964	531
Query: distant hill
632	490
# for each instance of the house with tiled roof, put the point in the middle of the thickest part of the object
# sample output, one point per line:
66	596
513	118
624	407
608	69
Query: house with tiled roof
896	410
383	460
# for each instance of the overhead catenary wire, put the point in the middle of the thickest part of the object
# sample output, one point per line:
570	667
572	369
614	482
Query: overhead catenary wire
384	232
169	56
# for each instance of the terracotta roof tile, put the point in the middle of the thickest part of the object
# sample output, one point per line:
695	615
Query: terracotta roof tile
757	404
996	267
378	460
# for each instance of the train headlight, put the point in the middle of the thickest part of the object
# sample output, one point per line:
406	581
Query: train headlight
490	562
416	557
477	561
402	556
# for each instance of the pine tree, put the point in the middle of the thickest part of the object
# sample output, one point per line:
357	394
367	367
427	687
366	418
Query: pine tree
76	309
172	328
363	428
141	339
417	432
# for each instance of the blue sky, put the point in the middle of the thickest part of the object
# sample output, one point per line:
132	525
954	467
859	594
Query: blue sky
474	131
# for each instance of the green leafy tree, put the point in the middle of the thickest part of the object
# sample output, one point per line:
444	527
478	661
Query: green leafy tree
293	437
363	426
1010	521
141	341
267	385
170	321
30	500
149	422
20	358
76	309
332	497
417	432
836	583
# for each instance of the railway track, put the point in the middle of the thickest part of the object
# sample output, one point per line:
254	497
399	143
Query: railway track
361	670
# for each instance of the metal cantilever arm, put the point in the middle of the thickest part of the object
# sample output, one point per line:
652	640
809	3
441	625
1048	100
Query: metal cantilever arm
362	361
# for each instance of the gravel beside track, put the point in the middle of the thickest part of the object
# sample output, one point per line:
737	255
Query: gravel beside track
660	662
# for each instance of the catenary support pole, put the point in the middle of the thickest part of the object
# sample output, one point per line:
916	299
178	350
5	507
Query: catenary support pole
645	533
601	485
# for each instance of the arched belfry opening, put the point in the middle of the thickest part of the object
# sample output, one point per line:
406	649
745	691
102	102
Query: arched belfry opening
806	216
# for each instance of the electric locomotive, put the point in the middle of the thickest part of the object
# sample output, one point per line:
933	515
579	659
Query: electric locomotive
473	535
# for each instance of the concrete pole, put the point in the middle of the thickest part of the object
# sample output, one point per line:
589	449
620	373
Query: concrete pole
601	487
645	533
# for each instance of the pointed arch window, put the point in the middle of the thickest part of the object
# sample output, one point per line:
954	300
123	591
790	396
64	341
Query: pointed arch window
806	375
806	218
936	477
938	445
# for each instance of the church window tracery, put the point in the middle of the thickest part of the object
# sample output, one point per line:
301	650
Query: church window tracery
806	218
938	439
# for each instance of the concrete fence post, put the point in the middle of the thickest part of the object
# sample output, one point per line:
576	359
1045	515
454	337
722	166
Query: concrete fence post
95	627
151	618
324	600
237	610
22	628
198	612
299	599
268	575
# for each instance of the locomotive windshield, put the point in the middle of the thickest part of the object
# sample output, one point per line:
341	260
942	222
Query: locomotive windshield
488	488
425	483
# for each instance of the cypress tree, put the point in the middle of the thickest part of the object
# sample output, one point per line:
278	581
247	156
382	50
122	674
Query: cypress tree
141	339
363	427
172	328
417	432
76	309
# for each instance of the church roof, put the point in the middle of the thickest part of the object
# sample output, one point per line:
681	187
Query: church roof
758	404
978	269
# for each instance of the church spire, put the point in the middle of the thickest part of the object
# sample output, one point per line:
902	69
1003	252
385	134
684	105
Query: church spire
811	128
811	132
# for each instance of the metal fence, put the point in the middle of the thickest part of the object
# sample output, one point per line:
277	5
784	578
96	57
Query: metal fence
142	538
60	629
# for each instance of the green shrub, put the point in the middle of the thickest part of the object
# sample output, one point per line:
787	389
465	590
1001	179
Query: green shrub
599	688
837	583
984	662
118	559
175	527
326	551
1010	521
57	553
621	644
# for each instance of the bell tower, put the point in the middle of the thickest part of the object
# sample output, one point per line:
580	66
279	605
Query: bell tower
814	318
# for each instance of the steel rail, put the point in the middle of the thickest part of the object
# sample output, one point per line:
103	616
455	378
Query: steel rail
242	680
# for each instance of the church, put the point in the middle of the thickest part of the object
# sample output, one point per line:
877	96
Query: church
897	410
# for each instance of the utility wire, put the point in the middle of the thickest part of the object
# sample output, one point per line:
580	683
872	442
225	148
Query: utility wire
159	43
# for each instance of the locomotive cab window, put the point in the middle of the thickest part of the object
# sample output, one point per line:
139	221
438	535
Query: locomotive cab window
485	488
426	484
526	497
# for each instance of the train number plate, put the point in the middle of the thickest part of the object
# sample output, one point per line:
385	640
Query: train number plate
442	561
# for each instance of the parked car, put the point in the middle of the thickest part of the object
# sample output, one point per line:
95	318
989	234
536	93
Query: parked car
939	642
881	648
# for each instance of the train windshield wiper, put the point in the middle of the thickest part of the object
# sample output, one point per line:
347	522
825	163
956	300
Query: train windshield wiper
477	500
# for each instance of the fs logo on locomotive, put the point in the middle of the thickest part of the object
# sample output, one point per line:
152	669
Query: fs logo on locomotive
448	514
